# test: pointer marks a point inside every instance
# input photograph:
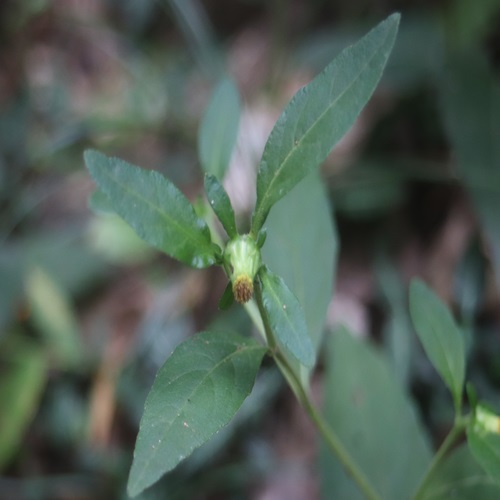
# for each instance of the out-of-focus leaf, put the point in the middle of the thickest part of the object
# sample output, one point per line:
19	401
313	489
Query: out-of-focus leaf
460	477
155	208
372	416
196	392
319	115
54	317
470	95
24	373
219	129
286	317
302	248
399	337
113	238
442	339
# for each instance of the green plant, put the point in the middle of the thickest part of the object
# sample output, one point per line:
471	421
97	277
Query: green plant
203	383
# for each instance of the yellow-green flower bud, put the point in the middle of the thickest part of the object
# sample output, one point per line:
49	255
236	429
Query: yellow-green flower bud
486	420
241	262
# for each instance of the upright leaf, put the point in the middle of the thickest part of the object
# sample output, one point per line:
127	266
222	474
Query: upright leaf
219	129
442	339
159	213
219	201
375	421
302	248
319	115
470	95
24	374
286	317
196	392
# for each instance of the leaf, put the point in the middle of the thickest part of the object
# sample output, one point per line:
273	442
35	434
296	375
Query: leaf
310	248
319	115
24	374
470	94
219	129
442	339
462	478
375	421
286	317
483	438
221	205
53	315
159	213
227	298
196	392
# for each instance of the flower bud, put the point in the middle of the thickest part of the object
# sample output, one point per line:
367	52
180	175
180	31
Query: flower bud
241	262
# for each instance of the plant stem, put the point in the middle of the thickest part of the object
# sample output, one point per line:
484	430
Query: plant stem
457	429
330	437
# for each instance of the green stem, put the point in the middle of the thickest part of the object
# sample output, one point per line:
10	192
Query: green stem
452	437
330	437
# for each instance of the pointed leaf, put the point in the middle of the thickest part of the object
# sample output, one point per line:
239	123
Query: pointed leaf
219	201
219	129
319	115
196	392
372	417
442	339
286	317
227	298
159	213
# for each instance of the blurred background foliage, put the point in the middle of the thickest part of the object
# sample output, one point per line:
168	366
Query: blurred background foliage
88	313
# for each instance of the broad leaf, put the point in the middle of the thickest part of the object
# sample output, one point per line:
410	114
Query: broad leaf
470	95
460	477
159	213
483	438
24	374
442	339
286	317
219	129
196	392
319	115
375	421
219	201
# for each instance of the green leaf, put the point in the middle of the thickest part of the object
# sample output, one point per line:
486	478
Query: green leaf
461	478
227	298
319	115
219	129
286	317
483	437
443	341
375	421
302	248
159	213
196	392
219	201
24	374
54	317
470	93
